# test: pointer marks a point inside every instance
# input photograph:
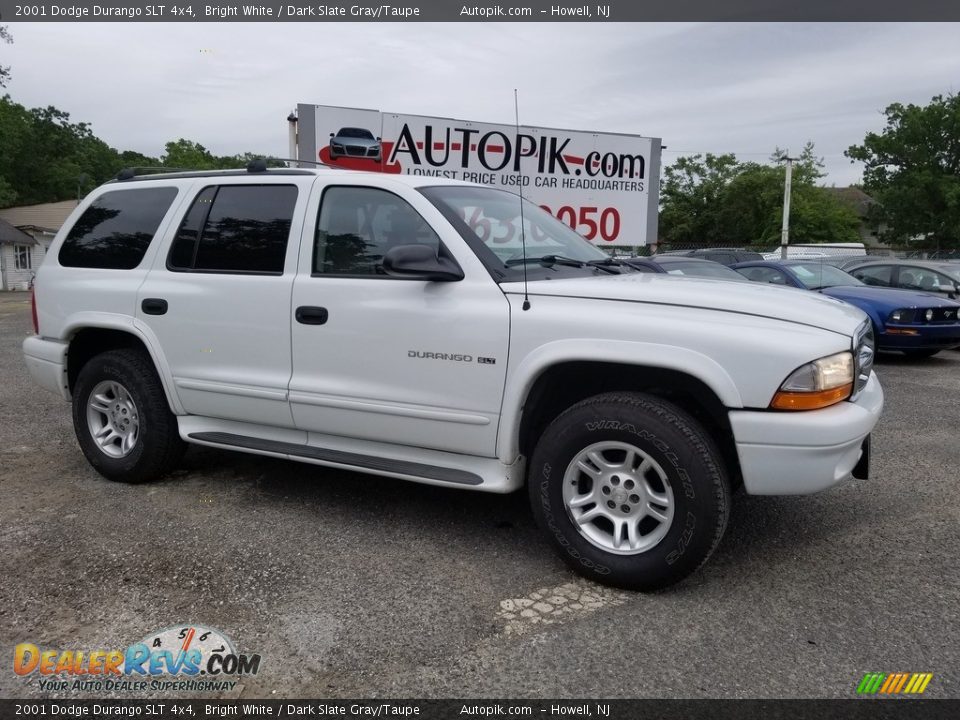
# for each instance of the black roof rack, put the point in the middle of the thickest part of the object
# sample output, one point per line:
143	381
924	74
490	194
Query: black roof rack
255	166
308	162
129	173
125	176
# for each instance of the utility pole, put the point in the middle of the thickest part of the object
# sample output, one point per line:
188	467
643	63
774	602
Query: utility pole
785	231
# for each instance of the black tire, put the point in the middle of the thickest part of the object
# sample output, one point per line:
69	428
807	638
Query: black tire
920	354
157	446
683	453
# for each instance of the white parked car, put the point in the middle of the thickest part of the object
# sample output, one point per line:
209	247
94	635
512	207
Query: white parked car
429	330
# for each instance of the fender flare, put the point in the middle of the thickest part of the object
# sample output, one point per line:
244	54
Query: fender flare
669	357
129	325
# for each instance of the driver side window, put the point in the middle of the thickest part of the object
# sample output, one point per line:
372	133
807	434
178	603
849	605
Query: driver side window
357	226
878	275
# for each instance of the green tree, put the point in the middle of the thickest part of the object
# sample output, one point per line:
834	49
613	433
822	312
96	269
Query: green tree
45	157
913	171
690	197
5	37
722	202
188	155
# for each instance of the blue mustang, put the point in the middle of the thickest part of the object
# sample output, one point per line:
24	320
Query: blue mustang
916	323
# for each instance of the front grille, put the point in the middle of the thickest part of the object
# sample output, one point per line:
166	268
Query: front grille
863	354
940	315
358	150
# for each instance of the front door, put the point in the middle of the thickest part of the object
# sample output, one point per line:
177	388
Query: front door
410	362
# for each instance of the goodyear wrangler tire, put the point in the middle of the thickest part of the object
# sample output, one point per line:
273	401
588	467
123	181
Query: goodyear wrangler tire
122	420
630	489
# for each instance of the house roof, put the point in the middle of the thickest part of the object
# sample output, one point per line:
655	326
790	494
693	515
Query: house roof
46	216
852	196
10	234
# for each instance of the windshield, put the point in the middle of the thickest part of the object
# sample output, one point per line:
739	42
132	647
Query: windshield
489	220
815	276
355	133
951	271
702	269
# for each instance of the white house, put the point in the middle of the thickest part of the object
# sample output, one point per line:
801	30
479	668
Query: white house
25	234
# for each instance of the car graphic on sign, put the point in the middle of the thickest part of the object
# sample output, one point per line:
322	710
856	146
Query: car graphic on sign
354	142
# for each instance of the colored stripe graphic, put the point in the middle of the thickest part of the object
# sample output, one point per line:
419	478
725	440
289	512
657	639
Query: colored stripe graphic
871	683
894	683
891	679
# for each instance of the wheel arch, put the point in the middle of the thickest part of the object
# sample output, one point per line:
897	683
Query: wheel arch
89	340
558	385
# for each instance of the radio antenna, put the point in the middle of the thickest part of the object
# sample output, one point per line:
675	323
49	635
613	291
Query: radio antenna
523	238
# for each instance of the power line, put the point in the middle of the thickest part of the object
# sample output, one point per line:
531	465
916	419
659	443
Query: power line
734	152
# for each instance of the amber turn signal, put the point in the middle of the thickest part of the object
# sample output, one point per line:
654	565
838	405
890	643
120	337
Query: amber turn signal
786	400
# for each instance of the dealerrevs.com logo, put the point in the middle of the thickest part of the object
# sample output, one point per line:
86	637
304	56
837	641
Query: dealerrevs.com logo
180	657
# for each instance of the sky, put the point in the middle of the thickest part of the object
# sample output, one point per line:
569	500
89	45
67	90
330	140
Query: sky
745	88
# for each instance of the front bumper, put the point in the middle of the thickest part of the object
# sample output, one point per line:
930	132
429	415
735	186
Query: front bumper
928	337
798	453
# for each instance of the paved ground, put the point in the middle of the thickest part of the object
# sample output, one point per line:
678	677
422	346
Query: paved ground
350	585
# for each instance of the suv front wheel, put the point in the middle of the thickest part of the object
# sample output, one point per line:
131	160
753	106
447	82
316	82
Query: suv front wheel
122	420
631	490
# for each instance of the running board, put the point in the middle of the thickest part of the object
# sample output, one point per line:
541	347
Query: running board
355	460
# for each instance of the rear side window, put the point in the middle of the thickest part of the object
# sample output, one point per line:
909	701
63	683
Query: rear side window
116	230
235	229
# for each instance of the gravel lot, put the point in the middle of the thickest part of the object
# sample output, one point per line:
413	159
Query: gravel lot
357	586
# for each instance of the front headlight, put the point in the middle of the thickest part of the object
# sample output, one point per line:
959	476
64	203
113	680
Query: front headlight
818	384
904	315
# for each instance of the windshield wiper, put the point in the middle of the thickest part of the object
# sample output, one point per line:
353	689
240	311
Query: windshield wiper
548	260
607	264
545	260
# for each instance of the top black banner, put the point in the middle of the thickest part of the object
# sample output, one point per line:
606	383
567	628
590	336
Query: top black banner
12	11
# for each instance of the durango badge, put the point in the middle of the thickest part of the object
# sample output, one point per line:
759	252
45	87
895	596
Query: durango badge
456	357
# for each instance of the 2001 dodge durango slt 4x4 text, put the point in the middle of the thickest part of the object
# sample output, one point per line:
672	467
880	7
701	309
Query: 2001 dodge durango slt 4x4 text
380	323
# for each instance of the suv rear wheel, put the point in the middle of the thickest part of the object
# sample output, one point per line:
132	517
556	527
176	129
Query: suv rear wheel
122	420
631	490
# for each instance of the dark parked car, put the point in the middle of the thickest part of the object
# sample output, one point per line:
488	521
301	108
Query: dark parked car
916	323
843	261
724	256
681	265
354	142
941	277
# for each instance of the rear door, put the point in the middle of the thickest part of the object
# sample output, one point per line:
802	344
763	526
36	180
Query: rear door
217	300
409	362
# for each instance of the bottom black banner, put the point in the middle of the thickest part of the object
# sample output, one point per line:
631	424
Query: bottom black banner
862	709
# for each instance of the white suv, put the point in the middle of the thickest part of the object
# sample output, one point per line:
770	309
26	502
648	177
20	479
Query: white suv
433	331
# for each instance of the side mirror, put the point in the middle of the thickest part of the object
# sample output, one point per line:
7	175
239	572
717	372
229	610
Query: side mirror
331	134
378	139
420	261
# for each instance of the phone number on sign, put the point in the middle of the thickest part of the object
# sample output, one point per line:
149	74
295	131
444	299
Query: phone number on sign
590	221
